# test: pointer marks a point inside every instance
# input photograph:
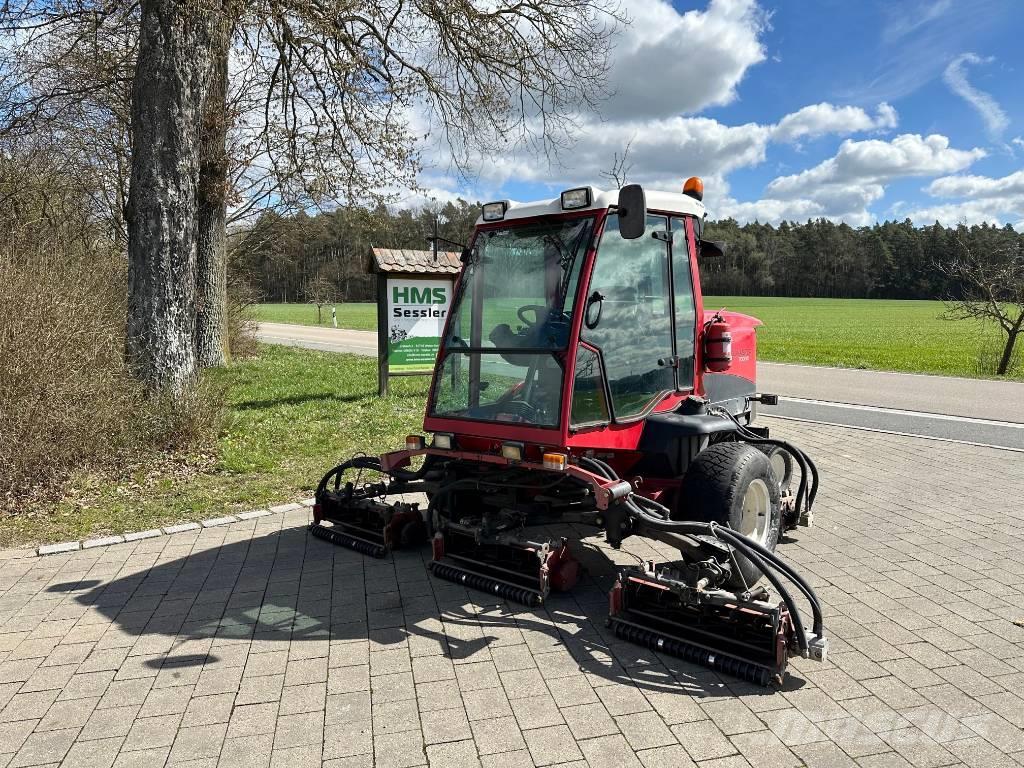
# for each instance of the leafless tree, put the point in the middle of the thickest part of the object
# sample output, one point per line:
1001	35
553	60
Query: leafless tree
325	102
320	291
621	167
991	289
65	81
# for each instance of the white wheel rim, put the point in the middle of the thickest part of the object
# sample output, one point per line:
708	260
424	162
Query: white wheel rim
778	463
757	506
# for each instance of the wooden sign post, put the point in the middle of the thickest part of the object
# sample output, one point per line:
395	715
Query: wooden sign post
414	295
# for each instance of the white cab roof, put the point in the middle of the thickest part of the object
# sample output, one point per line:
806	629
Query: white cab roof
671	202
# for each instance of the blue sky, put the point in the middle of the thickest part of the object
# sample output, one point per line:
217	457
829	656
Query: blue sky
853	110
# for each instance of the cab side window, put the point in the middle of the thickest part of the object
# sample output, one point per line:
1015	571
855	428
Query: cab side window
588	400
686	308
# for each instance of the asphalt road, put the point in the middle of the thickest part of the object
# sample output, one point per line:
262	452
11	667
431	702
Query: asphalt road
312	337
973	411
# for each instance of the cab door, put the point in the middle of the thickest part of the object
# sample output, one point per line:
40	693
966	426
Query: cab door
628	319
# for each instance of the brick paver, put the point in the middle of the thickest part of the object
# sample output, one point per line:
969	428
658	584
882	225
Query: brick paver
250	644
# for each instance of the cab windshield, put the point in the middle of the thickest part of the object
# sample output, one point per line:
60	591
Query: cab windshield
513	312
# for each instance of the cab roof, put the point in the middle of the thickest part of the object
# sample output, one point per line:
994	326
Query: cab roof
670	202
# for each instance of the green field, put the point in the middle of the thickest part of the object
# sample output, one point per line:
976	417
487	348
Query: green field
870	333
849	333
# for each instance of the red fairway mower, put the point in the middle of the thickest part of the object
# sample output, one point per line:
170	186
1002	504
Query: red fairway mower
580	381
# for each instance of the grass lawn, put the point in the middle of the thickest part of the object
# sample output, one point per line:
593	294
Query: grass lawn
293	414
848	333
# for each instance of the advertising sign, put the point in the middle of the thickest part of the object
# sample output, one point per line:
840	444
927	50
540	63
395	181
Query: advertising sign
417	309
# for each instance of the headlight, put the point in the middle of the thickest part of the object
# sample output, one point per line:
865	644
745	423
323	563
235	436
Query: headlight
444	440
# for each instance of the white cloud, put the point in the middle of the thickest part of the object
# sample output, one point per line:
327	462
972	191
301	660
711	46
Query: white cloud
849	206
904	21
843	187
978	186
768	211
955	76
875	161
820	119
997	211
993	200
668	63
664	151
674	147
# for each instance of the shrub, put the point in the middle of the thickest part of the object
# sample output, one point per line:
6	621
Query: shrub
67	401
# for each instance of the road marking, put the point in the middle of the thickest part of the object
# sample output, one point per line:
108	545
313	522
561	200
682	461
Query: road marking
892	432
902	412
932	376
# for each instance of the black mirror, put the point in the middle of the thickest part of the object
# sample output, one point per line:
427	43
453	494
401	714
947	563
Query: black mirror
467	255
712	248
632	212
592	314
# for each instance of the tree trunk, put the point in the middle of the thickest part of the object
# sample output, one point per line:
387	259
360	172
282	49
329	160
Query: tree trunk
168	90
1004	362
211	265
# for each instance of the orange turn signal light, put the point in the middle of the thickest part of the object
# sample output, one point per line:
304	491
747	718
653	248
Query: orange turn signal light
555	461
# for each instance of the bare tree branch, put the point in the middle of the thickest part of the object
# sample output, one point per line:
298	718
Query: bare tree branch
989	287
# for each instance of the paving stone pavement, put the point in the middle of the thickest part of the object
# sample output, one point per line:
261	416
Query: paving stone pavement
252	645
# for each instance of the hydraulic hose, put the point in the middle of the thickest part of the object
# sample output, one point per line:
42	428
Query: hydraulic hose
371	463
802	500
797	453
785	569
357	462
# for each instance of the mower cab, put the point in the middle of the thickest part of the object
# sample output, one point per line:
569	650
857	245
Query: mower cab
577	359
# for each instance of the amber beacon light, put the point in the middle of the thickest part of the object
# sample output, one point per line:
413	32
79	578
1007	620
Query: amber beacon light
694	187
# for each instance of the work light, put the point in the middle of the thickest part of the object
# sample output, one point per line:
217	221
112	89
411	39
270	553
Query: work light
443	440
575	198
495	211
512	451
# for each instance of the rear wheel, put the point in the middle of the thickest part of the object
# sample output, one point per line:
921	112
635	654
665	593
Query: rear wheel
733	484
782	464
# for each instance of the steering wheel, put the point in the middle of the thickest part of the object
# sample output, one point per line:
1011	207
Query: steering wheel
521	408
537	309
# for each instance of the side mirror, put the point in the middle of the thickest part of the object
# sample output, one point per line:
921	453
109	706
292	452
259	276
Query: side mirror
592	314
712	248
632	212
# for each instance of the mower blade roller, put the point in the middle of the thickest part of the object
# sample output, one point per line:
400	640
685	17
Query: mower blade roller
358	518
518	571
744	636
